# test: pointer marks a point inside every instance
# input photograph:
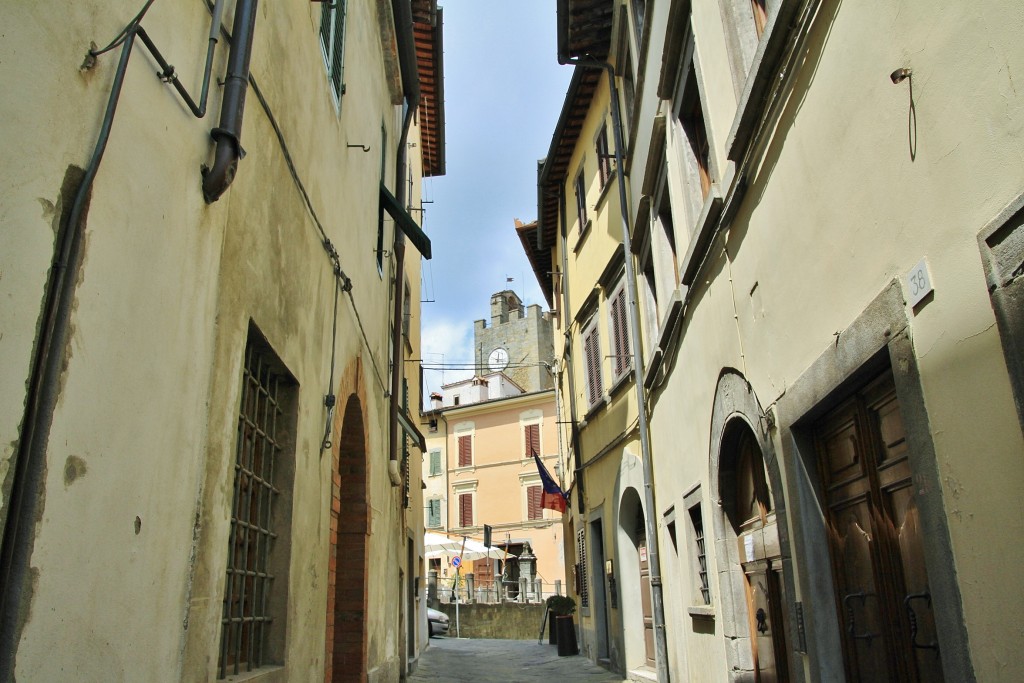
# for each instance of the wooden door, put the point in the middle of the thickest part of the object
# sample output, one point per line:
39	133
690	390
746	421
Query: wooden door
645	601
881	582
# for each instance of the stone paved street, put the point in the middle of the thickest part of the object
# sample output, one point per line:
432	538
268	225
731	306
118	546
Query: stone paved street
504	661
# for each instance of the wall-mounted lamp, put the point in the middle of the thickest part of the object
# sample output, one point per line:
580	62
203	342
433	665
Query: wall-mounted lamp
900	75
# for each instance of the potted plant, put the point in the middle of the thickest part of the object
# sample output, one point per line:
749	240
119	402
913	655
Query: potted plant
562	628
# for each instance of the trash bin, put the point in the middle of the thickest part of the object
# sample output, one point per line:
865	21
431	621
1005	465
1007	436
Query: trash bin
566	636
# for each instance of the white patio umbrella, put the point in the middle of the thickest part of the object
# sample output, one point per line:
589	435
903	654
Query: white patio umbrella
436	545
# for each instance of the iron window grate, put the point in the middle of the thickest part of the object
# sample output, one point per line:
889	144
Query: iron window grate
702	560
245	618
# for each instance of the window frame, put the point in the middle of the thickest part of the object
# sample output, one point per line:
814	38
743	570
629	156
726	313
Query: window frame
526	427
460	500
433	503
267	564
468	439
602	150
592	370
332	45
580	190
618	328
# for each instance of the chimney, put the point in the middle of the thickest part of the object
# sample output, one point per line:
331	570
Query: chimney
435	401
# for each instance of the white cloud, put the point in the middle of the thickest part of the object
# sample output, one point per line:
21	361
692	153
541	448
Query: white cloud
446	343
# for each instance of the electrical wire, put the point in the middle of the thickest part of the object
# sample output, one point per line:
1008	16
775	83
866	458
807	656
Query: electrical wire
123	35
332	254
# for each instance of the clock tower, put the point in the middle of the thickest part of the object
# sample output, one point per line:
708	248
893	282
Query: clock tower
518	342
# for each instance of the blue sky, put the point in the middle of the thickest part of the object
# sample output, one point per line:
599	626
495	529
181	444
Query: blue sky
503	91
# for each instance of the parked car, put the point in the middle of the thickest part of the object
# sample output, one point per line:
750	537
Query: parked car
438	622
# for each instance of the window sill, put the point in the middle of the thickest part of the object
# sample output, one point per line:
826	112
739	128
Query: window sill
665	333
759	79
607	187
593	410
622	381
702	233
701	612
266	674
469	469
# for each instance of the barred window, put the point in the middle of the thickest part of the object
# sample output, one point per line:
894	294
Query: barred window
702	561
255	595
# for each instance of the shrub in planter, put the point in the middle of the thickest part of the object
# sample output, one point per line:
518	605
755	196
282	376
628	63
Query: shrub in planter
561	609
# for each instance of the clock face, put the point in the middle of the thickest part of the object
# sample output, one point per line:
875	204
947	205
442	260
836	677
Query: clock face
498	359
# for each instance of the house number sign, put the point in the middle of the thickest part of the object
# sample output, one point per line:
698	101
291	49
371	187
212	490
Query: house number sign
918	282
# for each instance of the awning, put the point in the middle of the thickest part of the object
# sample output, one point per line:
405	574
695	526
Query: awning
410	430
405	222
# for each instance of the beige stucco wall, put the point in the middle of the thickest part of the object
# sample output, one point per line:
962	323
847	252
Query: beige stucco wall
145	426
838	209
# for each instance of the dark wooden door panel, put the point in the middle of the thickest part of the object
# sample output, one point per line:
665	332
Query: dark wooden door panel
881	581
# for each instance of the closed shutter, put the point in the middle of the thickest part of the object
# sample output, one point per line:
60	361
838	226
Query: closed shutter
465	451
531	438
533	508
582	588
435	463
620	333
434	515
466	509
592	355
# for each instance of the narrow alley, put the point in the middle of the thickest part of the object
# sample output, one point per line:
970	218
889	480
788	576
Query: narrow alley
504	661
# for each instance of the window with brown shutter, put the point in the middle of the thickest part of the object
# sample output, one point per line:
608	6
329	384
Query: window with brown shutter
592	356
579	187
465	451
604	160
465	509
531	440
533	508
622	361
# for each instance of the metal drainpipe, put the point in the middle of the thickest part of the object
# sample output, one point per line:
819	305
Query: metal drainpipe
411	84
574	427
651	528
227	135
42	395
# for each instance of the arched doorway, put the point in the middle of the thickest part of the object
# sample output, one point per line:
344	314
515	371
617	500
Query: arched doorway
753	584
638	616
748	506
346	601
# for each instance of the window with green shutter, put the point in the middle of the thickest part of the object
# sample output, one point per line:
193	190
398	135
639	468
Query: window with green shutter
332	43
434	513
435	463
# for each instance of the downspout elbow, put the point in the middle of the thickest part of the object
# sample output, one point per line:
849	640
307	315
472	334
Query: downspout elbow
219	177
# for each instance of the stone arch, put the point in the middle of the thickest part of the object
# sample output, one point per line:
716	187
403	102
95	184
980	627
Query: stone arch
631	535
737	419
346	588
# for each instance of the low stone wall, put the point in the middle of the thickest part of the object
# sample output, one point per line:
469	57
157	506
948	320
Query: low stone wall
508	621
